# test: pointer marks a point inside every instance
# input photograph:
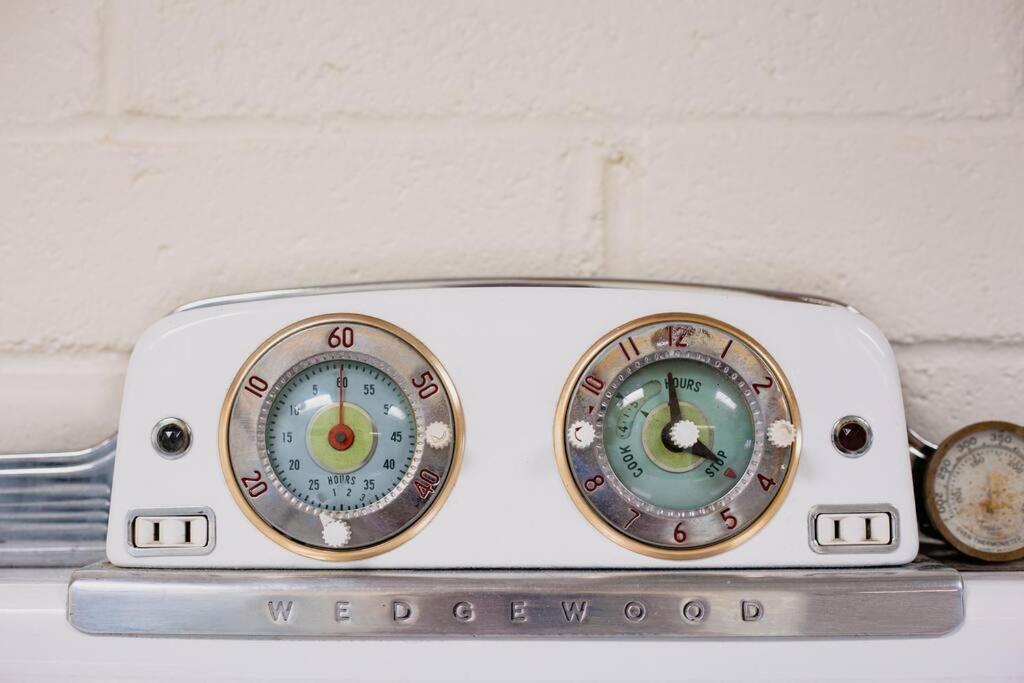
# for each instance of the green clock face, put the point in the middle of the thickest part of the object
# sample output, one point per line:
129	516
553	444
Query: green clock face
638	438
677	435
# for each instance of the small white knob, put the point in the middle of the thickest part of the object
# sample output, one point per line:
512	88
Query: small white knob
438	435
337	532
684	434
581	434
781	433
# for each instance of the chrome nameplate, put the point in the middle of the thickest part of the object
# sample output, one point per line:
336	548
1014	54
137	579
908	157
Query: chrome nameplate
908	601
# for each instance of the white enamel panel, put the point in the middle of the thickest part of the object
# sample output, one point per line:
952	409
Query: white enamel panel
509	350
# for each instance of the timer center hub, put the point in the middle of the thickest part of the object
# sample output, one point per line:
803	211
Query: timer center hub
665	455
341	448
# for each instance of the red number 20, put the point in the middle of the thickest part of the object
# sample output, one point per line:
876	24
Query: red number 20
255	484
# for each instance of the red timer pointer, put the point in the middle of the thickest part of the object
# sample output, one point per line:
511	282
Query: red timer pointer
341	437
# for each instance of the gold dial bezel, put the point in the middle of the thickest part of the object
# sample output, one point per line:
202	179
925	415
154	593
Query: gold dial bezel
440	497
603	525
931	472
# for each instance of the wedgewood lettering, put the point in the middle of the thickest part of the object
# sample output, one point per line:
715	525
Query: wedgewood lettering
570	611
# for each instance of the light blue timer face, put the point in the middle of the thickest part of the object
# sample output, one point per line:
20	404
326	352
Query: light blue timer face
340	435
697	462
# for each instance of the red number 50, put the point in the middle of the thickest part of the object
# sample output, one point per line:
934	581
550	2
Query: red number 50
426	384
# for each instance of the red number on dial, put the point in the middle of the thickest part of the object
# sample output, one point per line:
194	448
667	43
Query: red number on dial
593	385
347	337
425	482
426	384
758	386
677	336
625	350
255	484
256	386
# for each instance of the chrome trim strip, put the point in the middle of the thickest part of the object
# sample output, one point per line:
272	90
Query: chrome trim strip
920	447
54	506
499	282
915	600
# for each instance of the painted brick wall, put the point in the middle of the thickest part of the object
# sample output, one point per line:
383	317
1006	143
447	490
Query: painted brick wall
156	152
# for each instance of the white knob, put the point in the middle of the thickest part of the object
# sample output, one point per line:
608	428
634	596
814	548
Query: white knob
781	433
581	434
684	434
337	532
438	435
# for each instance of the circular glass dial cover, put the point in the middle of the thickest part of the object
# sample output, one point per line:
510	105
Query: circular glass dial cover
341	436
677	436
974	490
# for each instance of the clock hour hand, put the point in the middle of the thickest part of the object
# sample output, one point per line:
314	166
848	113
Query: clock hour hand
675	414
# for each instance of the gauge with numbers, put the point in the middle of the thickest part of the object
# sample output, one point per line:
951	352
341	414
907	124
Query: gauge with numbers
341	436
974	491
677	436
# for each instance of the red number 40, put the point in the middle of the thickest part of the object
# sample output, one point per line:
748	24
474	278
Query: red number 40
425	482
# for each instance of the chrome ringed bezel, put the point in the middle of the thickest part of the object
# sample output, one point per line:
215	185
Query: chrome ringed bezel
613	509
298	526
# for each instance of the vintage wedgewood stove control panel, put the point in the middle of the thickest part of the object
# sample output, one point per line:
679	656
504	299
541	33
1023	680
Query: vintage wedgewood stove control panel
534	425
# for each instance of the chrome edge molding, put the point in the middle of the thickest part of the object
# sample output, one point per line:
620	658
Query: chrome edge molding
54	506
270	295
915	600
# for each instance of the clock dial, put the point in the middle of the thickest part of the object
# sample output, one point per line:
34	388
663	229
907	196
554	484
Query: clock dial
341	437
695	435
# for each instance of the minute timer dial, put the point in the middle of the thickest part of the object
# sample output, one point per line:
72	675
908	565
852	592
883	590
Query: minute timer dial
974	491
341	437
677	436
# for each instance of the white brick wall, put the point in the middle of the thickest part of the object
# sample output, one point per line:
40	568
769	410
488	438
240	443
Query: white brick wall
156	152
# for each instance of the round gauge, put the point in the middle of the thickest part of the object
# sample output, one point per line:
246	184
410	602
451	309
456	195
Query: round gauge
974	491
677	436
341	436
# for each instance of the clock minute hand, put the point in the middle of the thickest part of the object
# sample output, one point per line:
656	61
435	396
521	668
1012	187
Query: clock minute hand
702	451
